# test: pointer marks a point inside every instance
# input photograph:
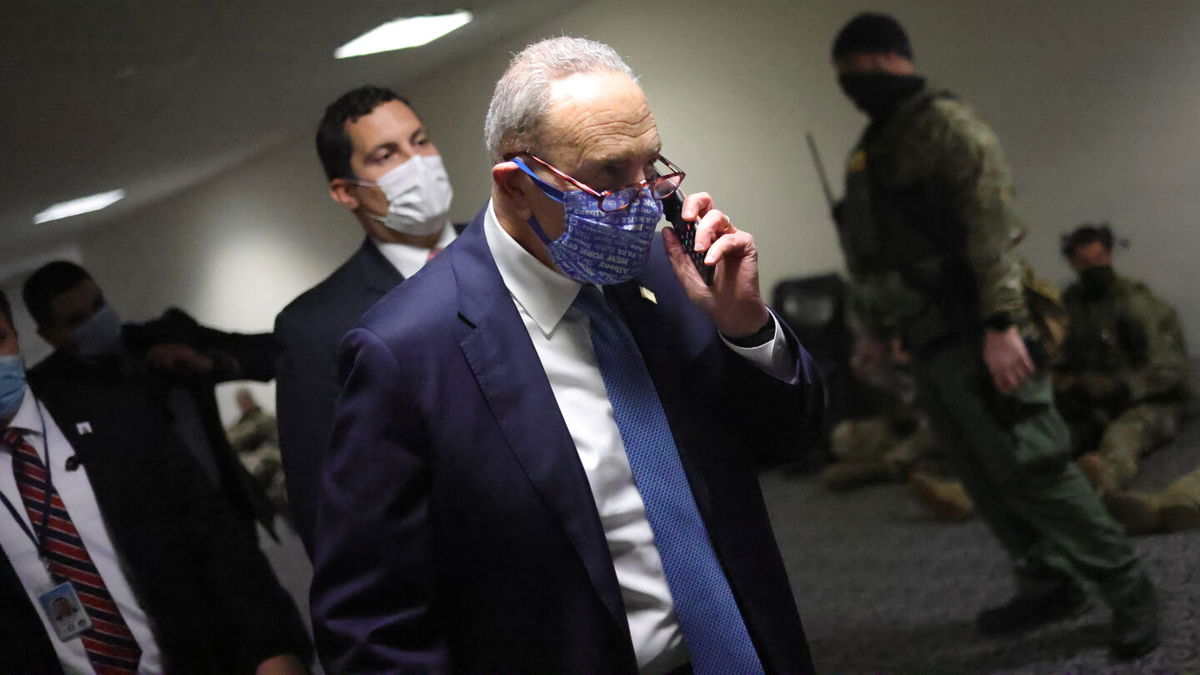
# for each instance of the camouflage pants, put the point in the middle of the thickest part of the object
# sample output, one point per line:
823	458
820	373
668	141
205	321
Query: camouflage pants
1013	455
1135	432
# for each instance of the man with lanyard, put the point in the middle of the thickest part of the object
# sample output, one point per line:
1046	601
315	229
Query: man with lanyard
116	554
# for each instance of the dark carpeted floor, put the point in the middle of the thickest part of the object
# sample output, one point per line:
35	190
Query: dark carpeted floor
882	588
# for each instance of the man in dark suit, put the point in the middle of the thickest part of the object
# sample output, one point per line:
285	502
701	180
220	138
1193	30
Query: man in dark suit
175	360
544	456
137	538
384	169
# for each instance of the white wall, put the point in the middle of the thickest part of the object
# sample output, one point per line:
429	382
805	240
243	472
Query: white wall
1095	102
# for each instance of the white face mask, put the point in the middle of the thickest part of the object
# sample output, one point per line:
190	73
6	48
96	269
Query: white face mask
418	193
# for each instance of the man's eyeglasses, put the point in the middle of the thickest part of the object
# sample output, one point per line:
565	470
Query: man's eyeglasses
662	185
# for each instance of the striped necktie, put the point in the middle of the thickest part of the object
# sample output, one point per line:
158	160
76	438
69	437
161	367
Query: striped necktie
109	644
713	628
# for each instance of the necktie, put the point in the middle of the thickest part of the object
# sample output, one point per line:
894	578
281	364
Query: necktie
433	253
109	644
713	628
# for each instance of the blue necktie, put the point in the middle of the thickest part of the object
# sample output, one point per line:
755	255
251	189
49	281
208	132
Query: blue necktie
713	628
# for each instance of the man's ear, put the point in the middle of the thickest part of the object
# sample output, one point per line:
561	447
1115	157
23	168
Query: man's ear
514	187
343	192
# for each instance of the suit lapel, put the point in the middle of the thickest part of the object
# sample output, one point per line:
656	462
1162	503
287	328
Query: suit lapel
375	272
510	375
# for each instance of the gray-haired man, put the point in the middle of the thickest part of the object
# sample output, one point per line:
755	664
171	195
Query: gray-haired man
544	457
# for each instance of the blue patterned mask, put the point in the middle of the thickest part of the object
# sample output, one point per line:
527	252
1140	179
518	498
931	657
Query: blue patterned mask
599	247
12	385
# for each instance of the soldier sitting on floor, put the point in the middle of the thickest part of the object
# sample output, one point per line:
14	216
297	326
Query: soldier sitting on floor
1121	383
894	445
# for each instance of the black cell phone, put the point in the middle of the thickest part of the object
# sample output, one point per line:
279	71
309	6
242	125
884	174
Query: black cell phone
686	229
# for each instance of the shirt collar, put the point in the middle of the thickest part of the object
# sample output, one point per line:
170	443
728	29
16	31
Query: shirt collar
409	259
544	294
28	419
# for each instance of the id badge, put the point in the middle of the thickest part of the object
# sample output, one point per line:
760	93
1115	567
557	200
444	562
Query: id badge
62	607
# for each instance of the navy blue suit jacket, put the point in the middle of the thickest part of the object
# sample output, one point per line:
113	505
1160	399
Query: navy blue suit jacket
306	387
456	528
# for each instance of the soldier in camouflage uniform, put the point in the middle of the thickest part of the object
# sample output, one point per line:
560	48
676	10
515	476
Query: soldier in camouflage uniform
255	437
929	235
882	446
1121	382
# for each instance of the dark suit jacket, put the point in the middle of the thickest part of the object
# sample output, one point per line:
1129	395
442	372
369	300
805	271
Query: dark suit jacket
236	356
456	528
213	601
307	385
306	389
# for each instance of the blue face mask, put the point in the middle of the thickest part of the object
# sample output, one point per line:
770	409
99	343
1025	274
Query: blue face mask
100	334
12	385
599	247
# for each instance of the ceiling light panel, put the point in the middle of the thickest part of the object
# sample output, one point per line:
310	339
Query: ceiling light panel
403	34
75	207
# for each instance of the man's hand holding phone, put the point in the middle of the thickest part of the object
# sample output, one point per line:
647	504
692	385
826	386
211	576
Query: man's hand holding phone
732	299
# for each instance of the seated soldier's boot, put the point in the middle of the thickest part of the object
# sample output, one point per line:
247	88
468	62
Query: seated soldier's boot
846	475
1179	511
1135	623
945	498
1140	513
1034	607
1181	503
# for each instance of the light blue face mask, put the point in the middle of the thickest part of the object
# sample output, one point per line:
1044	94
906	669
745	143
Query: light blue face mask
599	247
12	385
100	334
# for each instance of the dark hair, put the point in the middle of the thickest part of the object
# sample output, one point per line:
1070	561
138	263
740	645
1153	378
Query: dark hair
333	147
6	309
47	283
872	33
1086	234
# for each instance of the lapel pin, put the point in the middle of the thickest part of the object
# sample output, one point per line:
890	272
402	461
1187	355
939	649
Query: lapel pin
648	294
83	428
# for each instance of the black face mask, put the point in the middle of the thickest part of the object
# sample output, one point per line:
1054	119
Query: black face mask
1096	281
878	94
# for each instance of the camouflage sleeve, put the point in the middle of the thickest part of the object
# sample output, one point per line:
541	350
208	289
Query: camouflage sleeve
879	303
970	165
1166	369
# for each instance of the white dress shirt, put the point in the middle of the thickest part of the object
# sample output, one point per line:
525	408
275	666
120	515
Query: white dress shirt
562	338
76	492
408	259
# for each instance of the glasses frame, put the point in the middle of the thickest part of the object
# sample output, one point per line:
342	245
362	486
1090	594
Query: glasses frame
600	196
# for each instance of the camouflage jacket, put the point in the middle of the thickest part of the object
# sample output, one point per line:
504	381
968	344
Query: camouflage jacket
1128	333
928	226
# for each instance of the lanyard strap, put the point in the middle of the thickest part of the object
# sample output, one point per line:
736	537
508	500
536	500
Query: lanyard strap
24	528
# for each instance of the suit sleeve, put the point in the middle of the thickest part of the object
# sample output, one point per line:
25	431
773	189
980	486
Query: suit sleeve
236	356
373	603
779	418
306	392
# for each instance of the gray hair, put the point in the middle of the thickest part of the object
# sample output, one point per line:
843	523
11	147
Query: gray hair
522	95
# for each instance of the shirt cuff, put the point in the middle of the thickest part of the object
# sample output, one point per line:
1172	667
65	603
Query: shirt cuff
774	357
